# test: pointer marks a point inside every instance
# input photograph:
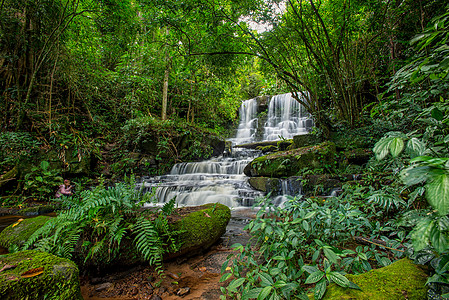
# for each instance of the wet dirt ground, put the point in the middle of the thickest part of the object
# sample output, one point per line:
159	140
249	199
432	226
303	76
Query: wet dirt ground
194	278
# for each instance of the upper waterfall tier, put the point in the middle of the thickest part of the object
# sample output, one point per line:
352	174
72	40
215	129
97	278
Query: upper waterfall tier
284	118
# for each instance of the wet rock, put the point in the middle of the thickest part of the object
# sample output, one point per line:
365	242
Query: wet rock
200	232
183	291
103	286
291	162
19	232
304	140
52	277
401	280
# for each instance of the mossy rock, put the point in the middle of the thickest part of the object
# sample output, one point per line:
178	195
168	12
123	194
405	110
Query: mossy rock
201	229
266	184
37	210
289	163
304	140
401	280
38	275
19	232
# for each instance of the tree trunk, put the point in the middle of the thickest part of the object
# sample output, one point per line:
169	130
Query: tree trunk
166	77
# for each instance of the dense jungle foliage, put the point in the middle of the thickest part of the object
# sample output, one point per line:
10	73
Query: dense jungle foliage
114	87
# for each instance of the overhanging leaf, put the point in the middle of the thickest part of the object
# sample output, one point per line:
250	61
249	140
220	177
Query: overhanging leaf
437	192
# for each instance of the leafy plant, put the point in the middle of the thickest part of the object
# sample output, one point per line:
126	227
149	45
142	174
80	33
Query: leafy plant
97	223
42	180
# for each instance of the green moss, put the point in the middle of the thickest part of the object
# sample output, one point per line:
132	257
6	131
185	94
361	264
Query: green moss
19	232
400	280
289	163
201	229
59	279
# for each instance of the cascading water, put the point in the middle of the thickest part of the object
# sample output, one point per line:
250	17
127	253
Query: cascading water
221	179
286	118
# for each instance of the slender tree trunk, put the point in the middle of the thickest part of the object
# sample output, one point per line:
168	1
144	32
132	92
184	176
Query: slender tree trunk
166	77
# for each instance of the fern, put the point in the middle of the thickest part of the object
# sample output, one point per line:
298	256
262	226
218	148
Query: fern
102	218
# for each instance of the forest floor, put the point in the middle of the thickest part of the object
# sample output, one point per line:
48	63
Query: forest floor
194	278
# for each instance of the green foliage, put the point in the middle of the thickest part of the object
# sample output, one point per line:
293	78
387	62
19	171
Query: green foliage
16	146
302	244
42	181
95	225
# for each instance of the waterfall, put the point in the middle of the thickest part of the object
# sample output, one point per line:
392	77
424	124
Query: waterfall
221	179
286	118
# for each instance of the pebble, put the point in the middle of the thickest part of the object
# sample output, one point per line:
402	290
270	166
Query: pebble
103	286
183	291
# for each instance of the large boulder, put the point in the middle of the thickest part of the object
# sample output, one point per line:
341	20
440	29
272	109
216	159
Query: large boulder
291	162
201	229
304	140
401	280
19	232
38	275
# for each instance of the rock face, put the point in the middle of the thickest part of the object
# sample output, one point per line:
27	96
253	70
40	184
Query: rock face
38	275
19	232
289	163
400	280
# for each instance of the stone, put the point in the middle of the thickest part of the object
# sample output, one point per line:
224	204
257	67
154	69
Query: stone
103	286
304	140
266	184
48	277
401	280
183	291
19	232
199	232
291	162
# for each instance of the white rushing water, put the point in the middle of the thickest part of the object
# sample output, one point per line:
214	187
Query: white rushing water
221	179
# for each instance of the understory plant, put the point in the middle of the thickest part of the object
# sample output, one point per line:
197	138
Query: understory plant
301	245
94	226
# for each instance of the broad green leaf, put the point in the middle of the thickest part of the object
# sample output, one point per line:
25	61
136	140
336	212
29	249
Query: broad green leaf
320	289
421	233
266	279
310	214
305	225
314	277
382	147
252	293
265	293
233	285
414	175
331	255
437	114
310	269
225	277
438	239
339	279
396	146
415	147
437	193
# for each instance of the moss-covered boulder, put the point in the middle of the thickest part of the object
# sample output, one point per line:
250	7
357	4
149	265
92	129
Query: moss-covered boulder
304	140
19	232
201	229
289	163
266	184
401	280
38	275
